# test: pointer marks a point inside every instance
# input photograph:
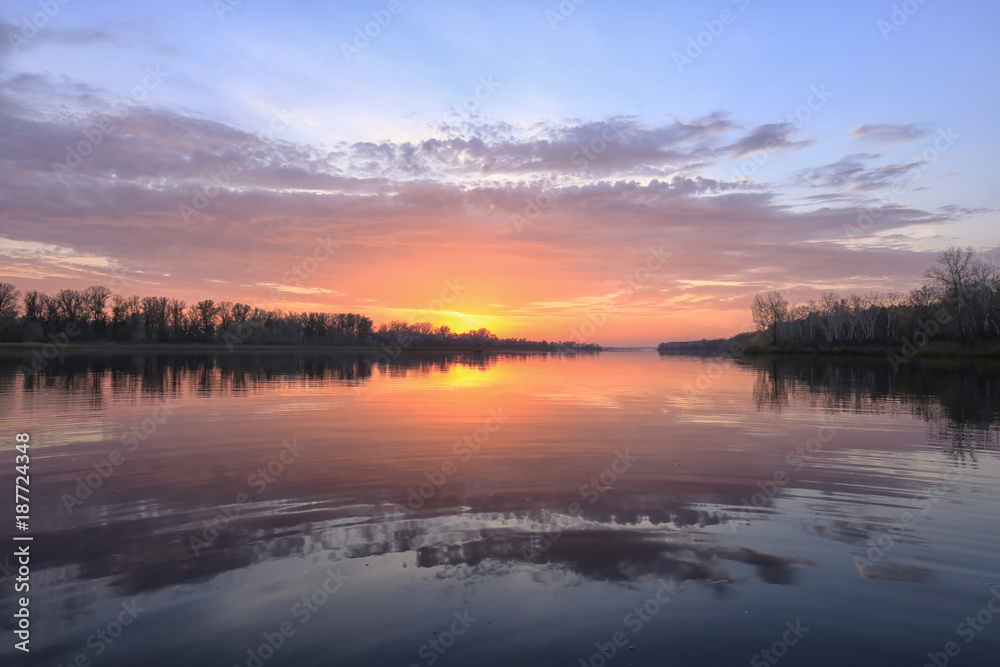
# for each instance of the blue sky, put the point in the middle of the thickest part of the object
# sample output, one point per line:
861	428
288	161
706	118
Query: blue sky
553	73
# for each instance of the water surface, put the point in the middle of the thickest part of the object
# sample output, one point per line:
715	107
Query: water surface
469	509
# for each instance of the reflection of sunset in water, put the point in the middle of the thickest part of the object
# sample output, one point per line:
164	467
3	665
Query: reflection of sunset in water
535	490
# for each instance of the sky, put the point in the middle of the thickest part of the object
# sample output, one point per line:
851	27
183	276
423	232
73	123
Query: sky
619	173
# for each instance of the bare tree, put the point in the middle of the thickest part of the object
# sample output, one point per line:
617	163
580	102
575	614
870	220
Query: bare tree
225	314
241	312
950	278
119	310
34	305
51	305
70	303
770	310
984	282
891	303
175	318
833	315
95	299
207	313
154	315
8	297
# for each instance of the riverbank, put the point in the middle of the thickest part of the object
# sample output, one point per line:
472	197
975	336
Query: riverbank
931	350
236	349
939	350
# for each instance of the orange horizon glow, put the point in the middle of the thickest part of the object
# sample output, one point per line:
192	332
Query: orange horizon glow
553	210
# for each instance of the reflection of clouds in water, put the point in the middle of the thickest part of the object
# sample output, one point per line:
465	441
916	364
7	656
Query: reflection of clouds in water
897	435
589	549
153	556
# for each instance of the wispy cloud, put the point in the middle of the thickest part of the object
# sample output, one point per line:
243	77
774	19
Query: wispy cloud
884	134
772	137
852	173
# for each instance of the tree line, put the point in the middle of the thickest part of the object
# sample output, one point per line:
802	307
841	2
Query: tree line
959	301
95	314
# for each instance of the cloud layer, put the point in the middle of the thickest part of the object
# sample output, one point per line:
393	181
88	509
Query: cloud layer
543	226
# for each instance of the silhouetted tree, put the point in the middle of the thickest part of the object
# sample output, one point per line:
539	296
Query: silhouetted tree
770	310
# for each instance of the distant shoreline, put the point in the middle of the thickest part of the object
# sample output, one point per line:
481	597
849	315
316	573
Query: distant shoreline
937	350
935	353
236	349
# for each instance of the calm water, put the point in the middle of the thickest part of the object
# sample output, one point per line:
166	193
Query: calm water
307	509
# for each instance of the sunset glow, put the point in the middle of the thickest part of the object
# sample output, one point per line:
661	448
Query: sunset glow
585	175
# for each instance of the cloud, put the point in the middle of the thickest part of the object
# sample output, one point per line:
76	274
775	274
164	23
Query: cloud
852	173
616	146
883	134
410	215
771	137
17	38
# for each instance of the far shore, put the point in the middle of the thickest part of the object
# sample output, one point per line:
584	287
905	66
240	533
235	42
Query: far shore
943	352
937	350
222	347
